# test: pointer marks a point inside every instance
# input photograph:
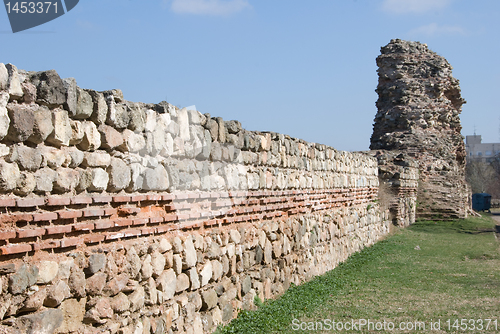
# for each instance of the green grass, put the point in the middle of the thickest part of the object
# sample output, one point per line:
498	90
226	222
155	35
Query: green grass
454	275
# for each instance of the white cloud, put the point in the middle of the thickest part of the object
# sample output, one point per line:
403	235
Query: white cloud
434	29
413	6
209	7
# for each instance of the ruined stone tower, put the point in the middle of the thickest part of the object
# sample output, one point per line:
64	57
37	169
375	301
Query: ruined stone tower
418	114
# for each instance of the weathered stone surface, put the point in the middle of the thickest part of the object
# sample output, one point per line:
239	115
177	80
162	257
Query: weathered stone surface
96	159
23	278
77	283
110	138
95	283
29	92
62	128
50	88
70	103
4	115
91	137
137	299
22	121
93	179
47	271
189	257
42	126
84	106
155	179
134	262
66	180
210	299
4	77
51	157
117	284
118	115
167	283
182	283
132	142
34	301
96	262
137	117
26	157
119	175
100	108
418	109
77	132
25	184
56	294
14	84
73	311
158	263
194	279
206	273
44	322
44	179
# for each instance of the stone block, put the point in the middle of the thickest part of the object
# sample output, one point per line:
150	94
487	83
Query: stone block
132	142
210	299
42	126
167	283
47	271
100	107
52	157
56	294
14	83
73	311
96	262
96	159
96	283
77	132
206	273
66	180
25	184
119	175
24	277
146	268
4	77
155	179
120	303
194	279
50	88
70	103
22	121
77	283
182	283
26	157
116	284
4	114
137	117
110	137
189	257
62	128
183	121
9	176
47	321
118	116
158	263
44	179
91	140
137	299
84	104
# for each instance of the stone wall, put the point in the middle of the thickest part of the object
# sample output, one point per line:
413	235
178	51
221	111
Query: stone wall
418	114
125	217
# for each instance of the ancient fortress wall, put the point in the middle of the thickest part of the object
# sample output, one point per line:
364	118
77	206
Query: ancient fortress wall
125	217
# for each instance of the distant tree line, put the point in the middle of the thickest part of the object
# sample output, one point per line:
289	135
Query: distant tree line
484	177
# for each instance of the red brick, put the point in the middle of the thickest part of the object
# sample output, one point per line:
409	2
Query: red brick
122	222
83	227
167	197
58	201
47	244
7	202
93	212
182	216
104	224
69	242
132	233
211	222
70	214
30	233
194	215
7	235
166	228
30	202
114	235
129	211
110	211
81	200
140	221
15	249
93	238
58	229
193	195
22	217
45	216
121	199
138	198
170	217
181	196
154	220
215	195
148	230
154	197
102	199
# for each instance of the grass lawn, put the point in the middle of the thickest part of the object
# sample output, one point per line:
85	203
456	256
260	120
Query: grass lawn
453	274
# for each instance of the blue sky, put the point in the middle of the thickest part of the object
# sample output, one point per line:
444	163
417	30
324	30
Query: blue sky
303	68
